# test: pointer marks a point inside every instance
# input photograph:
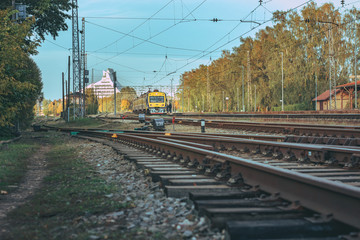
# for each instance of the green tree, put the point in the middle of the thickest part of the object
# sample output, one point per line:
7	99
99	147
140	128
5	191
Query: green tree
50	15
92	103
20	81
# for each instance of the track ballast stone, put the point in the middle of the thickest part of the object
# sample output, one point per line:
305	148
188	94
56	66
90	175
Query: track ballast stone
150	210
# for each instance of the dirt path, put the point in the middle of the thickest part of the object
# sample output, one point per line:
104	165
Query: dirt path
32	181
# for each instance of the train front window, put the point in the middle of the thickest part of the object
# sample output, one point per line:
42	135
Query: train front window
156	99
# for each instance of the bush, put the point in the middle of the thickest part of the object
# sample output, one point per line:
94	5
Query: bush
293	107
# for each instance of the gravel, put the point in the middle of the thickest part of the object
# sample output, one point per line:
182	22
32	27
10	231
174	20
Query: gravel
150	209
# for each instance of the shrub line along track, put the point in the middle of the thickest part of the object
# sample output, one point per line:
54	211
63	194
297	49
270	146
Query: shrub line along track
315	193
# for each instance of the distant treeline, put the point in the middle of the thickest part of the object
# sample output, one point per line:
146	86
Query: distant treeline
315	44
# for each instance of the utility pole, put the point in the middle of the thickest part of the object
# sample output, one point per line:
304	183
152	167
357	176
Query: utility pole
237	96
249	80
114	75
333	66
85	80
223	100
183	100
243	90
65	103
68	96
13	7
355	66
255	100
83	60
171	92
330	99
63	94
76	56
316	91
282	81
208	88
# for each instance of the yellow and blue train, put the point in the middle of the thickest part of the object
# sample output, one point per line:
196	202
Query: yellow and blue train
154	102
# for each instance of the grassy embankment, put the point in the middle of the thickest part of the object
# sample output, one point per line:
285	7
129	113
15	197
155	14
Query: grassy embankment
71	197
13	163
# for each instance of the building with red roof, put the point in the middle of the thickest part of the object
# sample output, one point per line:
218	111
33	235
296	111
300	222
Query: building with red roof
342	98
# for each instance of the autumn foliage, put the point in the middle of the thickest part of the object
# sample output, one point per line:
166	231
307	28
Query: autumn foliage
315	45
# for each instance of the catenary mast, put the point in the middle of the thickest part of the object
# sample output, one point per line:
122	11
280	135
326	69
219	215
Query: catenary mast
76	59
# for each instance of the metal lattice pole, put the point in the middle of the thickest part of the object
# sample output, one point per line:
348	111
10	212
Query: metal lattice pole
76	56
83	61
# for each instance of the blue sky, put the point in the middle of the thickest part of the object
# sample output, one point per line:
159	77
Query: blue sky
175	43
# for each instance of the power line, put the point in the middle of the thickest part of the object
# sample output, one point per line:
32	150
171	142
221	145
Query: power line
147	40
227	34
147	19
234	39
58	45
172	19
144	40
149	54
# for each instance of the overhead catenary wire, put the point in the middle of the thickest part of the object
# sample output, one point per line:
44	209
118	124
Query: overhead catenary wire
199	5
234	39
134	29
144	40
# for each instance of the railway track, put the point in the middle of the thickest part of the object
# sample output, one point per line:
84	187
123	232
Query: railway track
257	198
347	133
319	115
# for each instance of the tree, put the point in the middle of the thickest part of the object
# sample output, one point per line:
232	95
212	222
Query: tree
92	103
20	80
50	15
312	41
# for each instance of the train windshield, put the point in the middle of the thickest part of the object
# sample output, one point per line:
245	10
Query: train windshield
156	99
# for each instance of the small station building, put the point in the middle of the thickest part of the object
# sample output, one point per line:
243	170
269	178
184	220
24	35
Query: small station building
342	97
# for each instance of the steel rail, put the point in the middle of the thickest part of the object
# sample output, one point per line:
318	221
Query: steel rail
293	151
314	130
292	115
303	152
327	197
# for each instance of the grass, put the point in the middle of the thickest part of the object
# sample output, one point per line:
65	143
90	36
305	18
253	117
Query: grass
13	163
70	192
71	200
81	122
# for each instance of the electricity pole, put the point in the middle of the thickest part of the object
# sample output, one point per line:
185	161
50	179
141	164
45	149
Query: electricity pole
171	92
76	56
249	80
255	100
223	102
63	94
282	81
68	96
114	75
243	90
208	88
356	106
